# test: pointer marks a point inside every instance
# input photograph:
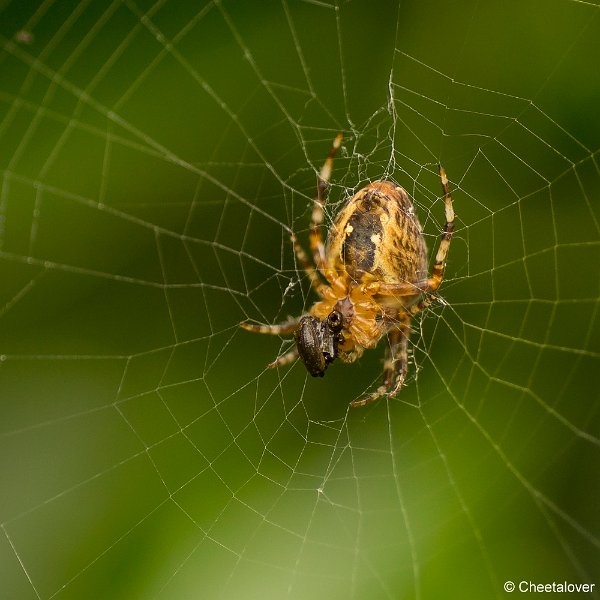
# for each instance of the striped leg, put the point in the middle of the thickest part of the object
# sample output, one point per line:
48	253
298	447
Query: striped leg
395	363
400	355
312	273
284	359
316	240
437	273
284	328
424	303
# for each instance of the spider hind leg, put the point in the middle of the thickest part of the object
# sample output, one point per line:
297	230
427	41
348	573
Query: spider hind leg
395	364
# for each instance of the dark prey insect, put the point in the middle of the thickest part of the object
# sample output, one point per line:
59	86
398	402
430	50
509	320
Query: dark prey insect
375	266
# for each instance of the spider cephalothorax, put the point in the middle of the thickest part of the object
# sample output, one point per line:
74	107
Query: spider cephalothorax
375	266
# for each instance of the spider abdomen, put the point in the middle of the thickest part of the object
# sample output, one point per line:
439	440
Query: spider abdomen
377	235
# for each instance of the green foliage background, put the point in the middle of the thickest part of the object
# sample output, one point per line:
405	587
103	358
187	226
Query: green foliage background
154	157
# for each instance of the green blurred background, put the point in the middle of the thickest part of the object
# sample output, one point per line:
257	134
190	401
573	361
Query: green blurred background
154	158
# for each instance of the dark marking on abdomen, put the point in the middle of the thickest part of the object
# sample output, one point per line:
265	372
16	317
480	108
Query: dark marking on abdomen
358	249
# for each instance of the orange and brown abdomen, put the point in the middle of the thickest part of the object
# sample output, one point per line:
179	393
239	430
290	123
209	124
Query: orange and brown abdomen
377	236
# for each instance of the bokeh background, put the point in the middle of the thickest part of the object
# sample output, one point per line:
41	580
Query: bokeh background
154	158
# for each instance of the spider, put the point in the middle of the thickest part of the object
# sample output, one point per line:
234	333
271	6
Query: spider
375	266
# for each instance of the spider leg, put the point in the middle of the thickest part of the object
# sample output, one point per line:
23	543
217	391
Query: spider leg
284	328
395	363
420	306
284	359
404	290
316	240
400	355
312	273
388	373
437	273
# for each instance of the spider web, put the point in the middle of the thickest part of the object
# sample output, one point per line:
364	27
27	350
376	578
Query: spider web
155	157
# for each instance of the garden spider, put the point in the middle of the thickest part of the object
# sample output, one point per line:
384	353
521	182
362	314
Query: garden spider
375	266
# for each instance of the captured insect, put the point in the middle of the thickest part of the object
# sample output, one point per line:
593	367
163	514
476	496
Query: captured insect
375	268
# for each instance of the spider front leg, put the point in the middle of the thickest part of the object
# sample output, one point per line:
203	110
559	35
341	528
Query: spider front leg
316	240
312	273
395	365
